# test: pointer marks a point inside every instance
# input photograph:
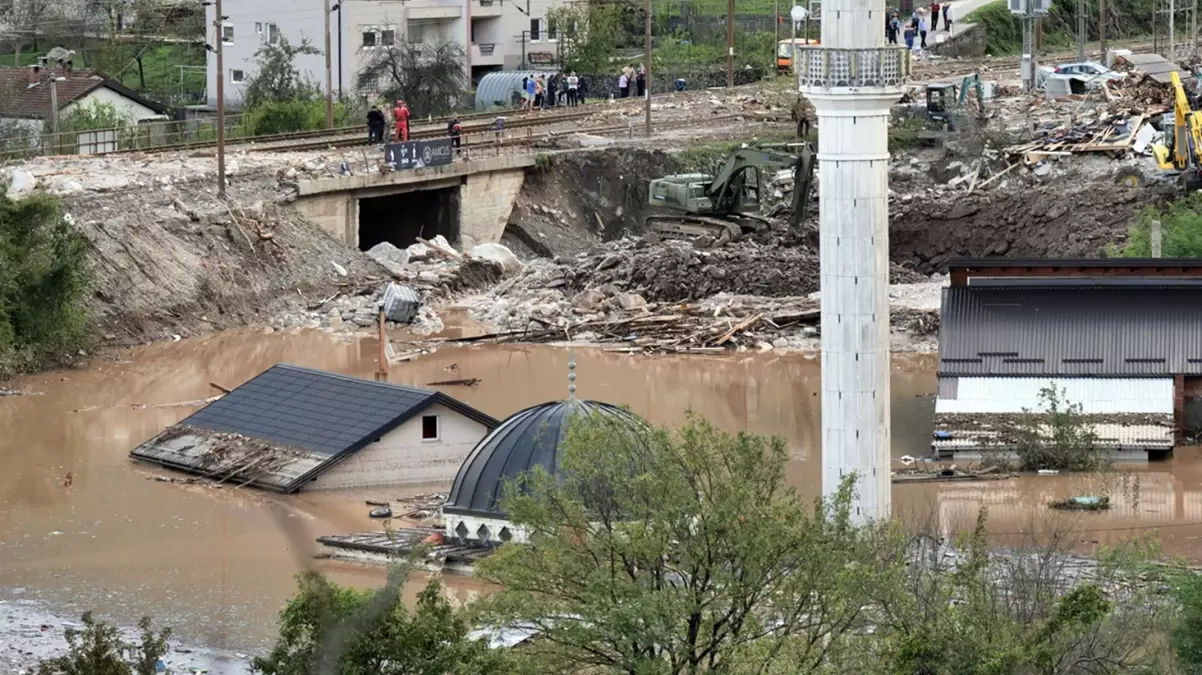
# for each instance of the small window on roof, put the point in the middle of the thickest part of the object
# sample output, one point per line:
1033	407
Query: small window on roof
430	427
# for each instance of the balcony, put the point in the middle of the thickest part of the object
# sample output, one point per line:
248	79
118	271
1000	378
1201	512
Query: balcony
820	67
487	54
486	8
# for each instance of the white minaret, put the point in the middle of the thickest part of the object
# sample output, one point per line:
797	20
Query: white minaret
852	80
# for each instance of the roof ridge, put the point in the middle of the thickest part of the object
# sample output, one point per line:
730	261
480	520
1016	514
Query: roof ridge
352	378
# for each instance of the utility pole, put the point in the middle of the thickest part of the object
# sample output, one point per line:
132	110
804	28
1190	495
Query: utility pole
1080	30
649	71
730	43
1193	24
329	73
1102	28
220	101
1172	30
776	42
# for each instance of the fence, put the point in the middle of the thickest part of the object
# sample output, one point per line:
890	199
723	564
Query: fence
25	142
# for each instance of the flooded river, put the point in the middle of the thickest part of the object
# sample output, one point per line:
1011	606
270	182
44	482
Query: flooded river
82	527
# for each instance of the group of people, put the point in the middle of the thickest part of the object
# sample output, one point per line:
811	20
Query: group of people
631	75
914	30
377	122
542	91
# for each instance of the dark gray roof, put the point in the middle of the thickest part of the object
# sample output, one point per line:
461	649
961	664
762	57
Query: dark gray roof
329	416
526	439
1103	331
318	411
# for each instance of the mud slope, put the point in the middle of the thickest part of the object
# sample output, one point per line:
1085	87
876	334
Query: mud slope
579	198
176	262
1053	221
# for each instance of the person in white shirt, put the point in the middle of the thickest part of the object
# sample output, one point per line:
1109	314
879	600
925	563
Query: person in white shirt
573	89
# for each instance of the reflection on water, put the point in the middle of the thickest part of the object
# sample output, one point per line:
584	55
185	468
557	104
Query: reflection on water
218	563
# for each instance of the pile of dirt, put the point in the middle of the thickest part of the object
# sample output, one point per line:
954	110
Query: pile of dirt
1058	219
674	271
580	198
180	262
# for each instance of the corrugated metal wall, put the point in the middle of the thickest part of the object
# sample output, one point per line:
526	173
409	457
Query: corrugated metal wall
1100	395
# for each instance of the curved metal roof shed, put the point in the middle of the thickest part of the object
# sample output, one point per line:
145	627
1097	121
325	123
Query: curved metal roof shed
499	89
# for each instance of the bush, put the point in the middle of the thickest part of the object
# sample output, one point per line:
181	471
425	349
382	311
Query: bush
1058	436
1180	227
43	282
98	649
94	115
281	117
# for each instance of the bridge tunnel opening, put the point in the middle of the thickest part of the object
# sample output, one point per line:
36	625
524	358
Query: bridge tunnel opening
400	219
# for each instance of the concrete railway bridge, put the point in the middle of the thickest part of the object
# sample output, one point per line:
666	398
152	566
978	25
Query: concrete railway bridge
467	201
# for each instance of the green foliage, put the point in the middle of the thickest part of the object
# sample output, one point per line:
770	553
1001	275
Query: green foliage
279	117
276	77
43	282
1180	228
97	649
673	552
590	33
1003	32
1187	630
1057	436
428	77
326	628
91	116
1010	612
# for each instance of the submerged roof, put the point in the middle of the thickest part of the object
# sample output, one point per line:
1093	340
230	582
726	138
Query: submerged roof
526	439
318	417
1071	330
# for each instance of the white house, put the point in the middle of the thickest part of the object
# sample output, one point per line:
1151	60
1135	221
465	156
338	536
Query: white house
293	428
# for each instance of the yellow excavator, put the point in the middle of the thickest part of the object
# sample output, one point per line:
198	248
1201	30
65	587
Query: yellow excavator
1179	155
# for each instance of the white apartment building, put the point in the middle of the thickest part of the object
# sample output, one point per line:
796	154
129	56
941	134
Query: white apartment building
494	34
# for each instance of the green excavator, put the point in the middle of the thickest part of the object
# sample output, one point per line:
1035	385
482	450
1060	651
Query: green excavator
724	204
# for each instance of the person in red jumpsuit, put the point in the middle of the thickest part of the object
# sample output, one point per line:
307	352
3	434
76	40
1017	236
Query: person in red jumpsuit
401	115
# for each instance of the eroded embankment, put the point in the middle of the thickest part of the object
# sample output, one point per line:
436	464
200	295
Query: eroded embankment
179	262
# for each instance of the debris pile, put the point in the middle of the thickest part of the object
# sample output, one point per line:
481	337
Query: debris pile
1091	131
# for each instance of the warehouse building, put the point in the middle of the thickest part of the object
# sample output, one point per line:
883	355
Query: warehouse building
1120	337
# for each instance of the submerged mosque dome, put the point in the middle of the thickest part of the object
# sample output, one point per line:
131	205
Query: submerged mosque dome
527	439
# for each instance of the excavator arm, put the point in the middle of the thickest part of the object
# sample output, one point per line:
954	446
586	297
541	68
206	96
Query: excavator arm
728	181
1181	151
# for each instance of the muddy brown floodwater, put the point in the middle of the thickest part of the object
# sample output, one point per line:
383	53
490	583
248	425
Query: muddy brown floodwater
217	564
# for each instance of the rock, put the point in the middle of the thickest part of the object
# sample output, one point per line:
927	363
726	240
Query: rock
1042	169
418	252
588	300
21	183
231	168
427	276
631	301
365	318
390	257
291	172
780	343
499	254
339	269
440	242
334	319
610	261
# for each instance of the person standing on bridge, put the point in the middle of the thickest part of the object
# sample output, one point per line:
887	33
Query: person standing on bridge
947	16
934	16
454	129
401	117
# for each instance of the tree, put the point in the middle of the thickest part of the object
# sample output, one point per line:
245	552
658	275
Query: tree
1057	436
43	281
662	552
590	33
22	20
429	77
327	629
92	116
98	649
276	77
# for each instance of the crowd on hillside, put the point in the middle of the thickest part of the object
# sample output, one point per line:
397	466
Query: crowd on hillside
922	21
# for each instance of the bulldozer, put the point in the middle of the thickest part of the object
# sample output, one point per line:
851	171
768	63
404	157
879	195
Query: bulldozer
723	204
1178	157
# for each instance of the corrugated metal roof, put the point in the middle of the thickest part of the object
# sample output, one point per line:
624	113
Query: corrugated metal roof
1096	395
1115	436
1106	332
499	88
